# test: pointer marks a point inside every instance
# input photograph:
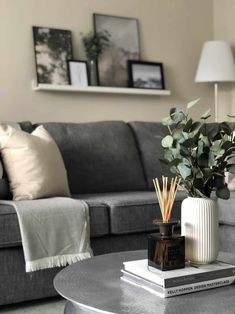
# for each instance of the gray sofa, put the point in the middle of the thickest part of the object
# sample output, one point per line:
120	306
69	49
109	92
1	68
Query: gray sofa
110	165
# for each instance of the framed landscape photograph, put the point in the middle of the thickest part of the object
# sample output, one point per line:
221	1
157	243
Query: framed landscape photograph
146	74
123	45
53	47
78	73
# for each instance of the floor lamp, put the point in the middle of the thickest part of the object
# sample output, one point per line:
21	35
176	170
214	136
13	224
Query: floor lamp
216	65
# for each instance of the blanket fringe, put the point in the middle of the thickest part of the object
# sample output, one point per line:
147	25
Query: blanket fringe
56	261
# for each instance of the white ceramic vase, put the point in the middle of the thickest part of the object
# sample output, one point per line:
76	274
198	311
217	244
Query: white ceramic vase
200	226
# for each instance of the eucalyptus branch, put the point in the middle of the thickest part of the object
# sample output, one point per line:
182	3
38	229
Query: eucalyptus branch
198	152
169	130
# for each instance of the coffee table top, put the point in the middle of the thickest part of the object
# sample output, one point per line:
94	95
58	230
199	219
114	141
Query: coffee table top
94	286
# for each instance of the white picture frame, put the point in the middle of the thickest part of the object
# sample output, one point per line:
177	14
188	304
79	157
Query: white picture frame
78	73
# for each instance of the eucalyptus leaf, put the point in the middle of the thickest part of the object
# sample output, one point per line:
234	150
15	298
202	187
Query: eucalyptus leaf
226	137
215	148
175	162
173	170
177	115
186	135
206	141
168	155
200	148
203	160
184	170
226	128
211	160
167	141
184	151
219	182
192	103
223	193
221	152
187	143
206	115
164	161
217	137
188	125
195	126
175	152
177	133
167	121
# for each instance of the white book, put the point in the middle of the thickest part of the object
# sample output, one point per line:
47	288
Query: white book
174	291
179	277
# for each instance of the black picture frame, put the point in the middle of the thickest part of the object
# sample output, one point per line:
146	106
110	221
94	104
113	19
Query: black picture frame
72	79
112	64
152	79
52	48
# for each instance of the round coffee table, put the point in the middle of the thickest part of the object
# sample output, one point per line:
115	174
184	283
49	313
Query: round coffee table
94	286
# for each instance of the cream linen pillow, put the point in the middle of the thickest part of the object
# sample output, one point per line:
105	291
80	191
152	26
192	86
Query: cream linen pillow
33	163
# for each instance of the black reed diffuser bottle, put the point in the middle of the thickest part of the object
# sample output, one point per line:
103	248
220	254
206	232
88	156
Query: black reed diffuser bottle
165	250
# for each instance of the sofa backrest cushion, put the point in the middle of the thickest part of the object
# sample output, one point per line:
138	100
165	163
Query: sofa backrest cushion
26	126
148	136
99	156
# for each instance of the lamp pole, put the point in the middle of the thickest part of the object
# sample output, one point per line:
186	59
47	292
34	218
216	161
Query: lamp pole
216	65
216	101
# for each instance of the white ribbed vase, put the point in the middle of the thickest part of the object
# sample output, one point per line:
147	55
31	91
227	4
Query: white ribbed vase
200	226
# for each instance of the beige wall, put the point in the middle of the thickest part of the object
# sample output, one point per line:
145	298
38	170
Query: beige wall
224	29
171	31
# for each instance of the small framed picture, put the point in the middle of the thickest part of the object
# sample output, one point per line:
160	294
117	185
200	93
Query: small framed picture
144	74
78	73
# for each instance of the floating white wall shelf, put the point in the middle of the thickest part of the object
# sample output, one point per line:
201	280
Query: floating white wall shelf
100	89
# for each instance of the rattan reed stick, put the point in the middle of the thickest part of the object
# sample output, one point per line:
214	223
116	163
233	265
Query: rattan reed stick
166	197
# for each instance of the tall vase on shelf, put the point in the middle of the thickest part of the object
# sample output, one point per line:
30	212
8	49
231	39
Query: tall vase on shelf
93	75
95	44
199	155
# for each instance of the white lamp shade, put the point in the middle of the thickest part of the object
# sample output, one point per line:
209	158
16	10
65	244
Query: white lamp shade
216	63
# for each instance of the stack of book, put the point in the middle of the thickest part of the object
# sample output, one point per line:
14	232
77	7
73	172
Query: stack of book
180	281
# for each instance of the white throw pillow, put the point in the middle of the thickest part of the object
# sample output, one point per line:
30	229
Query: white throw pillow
33	163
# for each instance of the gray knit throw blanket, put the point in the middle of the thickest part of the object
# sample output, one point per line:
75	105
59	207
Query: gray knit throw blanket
54	231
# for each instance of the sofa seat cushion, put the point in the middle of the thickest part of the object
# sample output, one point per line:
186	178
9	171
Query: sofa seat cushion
99	156
10	231
9	227
99	216
132	212
227	210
